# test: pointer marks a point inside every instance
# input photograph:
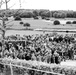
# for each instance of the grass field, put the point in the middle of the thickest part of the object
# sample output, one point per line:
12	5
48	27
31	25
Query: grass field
38	24
41	24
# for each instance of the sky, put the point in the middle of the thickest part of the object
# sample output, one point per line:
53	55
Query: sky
43	4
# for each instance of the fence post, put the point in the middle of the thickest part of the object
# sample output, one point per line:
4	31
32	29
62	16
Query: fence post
11	69
4	69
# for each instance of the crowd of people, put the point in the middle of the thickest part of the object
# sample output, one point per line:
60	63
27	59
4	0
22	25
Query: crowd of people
49	48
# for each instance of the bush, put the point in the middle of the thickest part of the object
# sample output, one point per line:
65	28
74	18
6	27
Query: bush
21	23
56	22
74	22
26	25
26	15
17	18
36	17
43	17
47	19
68	22
67	31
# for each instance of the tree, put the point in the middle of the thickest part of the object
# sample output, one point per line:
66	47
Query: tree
56	22
74	22
6	2
68	22
59	15
46	14
74	14
3	17
25	14
69	15
26	25
17	18
35	17
4	25
36	13
21	23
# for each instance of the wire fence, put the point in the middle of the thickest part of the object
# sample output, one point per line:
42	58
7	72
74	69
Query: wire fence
15	69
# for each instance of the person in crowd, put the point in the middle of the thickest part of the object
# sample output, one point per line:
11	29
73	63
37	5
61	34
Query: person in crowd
46	48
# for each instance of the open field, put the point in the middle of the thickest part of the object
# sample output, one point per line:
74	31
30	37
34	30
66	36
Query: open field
38	24
41	24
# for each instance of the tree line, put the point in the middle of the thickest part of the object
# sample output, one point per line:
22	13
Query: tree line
44	14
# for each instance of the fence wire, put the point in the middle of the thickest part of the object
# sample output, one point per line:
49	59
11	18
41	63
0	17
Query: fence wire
8	67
